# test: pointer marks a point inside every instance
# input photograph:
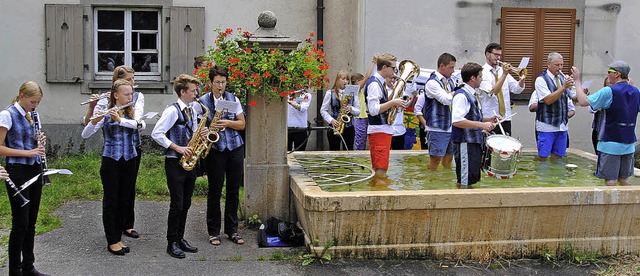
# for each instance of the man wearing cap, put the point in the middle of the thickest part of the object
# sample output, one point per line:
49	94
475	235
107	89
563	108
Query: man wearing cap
552	113
616	137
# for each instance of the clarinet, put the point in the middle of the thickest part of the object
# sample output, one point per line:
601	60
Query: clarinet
16	192
36	123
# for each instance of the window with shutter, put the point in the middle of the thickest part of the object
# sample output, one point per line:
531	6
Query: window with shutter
137	35
534	33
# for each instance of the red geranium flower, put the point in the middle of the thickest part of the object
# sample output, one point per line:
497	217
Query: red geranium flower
252	103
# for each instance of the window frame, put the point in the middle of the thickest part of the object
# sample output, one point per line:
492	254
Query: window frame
128	52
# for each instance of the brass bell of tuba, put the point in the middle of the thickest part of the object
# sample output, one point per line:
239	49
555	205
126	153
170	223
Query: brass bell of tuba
408	70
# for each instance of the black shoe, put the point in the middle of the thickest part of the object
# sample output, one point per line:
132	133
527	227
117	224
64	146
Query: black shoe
115	252
186	247
33	272
174	250
132	234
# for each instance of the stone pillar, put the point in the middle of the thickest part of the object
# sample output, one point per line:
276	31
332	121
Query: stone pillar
266	175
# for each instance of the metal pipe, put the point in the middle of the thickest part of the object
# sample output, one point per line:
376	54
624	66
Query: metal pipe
320	35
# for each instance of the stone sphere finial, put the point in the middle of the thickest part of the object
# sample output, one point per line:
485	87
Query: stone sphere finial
267	19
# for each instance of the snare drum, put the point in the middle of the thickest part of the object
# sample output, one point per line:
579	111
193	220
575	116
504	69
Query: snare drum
501	156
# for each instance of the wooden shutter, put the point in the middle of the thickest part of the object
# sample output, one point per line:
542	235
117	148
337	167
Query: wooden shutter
64	43
534	33
187	39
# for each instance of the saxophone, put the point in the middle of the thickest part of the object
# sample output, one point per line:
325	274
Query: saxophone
343	117
200	147
213	135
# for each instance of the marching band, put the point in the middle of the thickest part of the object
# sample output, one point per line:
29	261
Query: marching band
463	117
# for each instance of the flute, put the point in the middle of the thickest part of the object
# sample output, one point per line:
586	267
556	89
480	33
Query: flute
117	108
102	96
23	200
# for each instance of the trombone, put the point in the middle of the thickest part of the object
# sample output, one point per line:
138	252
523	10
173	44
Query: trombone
521	72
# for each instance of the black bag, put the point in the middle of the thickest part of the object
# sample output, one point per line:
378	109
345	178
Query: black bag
280	233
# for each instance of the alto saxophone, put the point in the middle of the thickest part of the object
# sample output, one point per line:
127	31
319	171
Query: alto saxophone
213	135
343	117
200	147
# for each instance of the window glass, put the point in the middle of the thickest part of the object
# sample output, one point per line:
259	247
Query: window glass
144	20
110	41
113	20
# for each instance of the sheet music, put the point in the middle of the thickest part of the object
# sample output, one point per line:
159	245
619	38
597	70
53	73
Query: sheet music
524	62
587	84
226	105
351	90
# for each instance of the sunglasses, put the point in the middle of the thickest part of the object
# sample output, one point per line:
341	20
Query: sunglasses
611	71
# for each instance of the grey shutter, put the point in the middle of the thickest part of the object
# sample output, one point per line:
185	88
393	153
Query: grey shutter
186	39
64	43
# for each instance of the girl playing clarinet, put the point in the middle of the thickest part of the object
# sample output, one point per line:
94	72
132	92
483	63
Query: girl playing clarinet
118	169
20	145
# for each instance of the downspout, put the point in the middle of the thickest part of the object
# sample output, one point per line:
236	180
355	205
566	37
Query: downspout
320	96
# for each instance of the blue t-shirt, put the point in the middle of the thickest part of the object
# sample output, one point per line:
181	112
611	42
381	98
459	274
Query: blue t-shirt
602	100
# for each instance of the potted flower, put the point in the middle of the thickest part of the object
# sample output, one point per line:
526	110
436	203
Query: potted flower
273	73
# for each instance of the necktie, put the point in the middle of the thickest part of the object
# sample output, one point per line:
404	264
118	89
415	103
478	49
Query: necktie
558	82
445	84
501	106
29	119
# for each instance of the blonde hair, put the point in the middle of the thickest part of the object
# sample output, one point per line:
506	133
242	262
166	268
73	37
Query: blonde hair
120	71
385	59
27	90
112	99
341	74
181	82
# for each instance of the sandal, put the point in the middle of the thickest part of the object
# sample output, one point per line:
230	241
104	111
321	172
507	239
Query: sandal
214	240
235	237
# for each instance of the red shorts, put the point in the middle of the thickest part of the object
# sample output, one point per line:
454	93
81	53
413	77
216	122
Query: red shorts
379	147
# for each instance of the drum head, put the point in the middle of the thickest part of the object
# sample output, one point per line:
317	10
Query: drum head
504	143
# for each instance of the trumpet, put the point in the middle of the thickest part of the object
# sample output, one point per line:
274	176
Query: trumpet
102	96
117	108
565	79
521	72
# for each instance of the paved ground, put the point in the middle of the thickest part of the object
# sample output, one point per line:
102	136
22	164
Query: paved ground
79	248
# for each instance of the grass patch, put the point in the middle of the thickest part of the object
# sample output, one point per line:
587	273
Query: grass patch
85	183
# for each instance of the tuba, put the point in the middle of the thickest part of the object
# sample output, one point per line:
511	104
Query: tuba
199	146
343	117
408	70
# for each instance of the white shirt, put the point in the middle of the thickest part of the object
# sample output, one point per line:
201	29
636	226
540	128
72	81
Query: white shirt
138	108
5	116
299	118
489	101
461	105
325	109
433	90
90	128
541	125
168	119
543	91
374	94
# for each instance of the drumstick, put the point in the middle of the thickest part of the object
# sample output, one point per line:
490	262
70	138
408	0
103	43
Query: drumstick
500	123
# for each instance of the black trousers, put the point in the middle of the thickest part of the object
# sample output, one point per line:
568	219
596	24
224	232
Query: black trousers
296	139
335	142
229	165
181	184
23	219
118	184
130	217
397	142
423	138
